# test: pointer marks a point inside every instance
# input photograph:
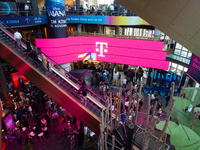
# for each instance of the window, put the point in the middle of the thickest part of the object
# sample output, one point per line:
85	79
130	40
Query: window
178	46
184	54
180	67
174	65
177	52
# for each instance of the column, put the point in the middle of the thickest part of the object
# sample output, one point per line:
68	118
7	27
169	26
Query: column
101	29
39	32
157	33
79	27
117	30
34	5
56	16
129	136
77	6
3	82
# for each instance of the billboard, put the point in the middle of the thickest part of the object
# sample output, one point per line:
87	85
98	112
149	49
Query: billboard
9	122
8	8
56	16
113	50
194	69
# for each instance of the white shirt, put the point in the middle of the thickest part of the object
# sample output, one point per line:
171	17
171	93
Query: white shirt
86	8
26	7
152	96
124	81
29	108
111	7
17	35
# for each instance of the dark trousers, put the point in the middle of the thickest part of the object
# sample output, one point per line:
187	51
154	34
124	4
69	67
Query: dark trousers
55	120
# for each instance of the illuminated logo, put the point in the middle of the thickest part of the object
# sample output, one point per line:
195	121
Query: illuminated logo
101	49
9	123
88	56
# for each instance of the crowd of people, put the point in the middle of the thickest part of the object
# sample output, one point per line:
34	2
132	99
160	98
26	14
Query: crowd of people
24	103
102	10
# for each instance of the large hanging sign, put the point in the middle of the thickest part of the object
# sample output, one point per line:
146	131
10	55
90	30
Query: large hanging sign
194	70
56	17
122	51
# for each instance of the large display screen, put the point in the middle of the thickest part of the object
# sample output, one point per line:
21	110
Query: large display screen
8	8
194	70
123	51
9	122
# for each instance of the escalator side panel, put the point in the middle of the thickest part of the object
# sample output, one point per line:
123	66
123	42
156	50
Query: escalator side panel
49	87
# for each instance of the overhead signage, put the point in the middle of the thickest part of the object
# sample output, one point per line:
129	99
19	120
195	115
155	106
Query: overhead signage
24	21
107	20
123	51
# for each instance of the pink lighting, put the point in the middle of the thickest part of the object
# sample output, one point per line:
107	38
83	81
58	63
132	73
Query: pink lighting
123	51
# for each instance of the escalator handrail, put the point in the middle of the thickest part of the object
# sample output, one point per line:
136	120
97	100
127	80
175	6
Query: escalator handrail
54	76
59	66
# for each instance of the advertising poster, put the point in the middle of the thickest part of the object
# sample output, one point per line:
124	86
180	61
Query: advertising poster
56	16
9	122
194	70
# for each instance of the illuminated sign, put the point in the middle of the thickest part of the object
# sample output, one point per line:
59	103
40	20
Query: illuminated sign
114	50
101	48
9	122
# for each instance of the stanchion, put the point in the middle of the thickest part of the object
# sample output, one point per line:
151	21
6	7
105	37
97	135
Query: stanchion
129	136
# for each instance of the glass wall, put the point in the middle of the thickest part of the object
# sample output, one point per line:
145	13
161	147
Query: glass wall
176	68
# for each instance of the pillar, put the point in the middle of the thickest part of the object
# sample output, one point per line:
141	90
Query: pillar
129	136
3	82
39	32
117	30
34	5
101	29
77	6
56	17
157	33
79	27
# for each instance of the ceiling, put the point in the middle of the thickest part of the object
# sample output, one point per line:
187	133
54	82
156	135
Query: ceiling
179	19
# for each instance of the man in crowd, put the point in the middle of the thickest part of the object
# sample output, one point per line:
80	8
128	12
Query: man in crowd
18	37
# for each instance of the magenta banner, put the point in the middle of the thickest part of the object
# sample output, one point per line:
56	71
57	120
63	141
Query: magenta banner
123	51
194	70
9	122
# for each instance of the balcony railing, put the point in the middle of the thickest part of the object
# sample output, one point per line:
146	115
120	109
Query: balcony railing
75	33
99	12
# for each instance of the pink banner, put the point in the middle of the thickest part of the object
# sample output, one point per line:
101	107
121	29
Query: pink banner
123	51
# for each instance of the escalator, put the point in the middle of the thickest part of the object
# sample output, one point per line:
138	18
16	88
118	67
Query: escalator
61	87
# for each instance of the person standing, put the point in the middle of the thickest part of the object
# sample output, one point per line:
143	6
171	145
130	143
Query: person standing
26	8
111	9
18	135
10	134
28	45
18	37
55	118
67	9
124	82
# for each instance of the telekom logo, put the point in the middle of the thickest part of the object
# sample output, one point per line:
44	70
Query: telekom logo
101	48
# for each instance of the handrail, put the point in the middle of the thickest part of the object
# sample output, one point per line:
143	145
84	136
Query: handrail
66	86
74	79
75	33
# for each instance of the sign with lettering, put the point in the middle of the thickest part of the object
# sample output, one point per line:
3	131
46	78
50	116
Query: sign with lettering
9	122
24	21
194	70
56	16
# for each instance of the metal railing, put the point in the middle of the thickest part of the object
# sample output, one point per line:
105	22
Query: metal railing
99	12
75	33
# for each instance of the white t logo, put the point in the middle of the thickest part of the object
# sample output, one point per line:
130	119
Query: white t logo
101	48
